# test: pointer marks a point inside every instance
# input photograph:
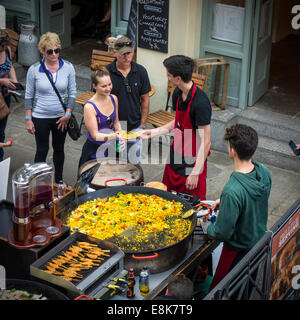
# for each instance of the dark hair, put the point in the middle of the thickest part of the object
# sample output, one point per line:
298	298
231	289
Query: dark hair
99	73
181	287
243	139
180	65
4	38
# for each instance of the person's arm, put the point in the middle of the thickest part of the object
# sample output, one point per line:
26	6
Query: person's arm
12	77
63	121
72	92
145	101
144	96
224	227
29	97
12	74
298	147
159	131
5	144
117	124
204	133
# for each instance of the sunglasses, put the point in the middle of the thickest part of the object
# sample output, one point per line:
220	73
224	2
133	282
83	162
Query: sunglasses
127	86
110	122
50	51
123	44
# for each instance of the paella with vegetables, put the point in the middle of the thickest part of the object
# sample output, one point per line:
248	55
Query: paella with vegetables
128	135
134	222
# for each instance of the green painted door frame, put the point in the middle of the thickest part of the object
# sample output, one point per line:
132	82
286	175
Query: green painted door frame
28	10
50	15
261	50
238	55
56	17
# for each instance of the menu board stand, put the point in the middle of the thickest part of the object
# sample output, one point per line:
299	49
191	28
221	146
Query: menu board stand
153	25
132	22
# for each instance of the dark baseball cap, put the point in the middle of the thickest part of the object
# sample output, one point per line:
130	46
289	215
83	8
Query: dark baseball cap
123	45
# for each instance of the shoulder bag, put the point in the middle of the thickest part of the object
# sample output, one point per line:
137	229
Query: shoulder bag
73	127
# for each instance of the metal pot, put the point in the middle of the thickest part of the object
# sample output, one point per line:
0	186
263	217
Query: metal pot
158	260
28	52
35	288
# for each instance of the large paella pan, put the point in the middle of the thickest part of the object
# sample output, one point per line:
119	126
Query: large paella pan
147	223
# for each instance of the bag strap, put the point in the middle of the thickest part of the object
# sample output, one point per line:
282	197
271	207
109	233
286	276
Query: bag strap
53	85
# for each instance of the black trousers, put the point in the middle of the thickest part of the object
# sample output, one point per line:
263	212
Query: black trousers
43	127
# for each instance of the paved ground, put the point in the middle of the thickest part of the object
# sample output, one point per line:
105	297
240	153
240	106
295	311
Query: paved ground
285	189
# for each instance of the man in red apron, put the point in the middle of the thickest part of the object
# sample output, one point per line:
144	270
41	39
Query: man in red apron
186	169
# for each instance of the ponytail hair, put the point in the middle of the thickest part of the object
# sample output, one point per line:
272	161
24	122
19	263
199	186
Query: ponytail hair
98	72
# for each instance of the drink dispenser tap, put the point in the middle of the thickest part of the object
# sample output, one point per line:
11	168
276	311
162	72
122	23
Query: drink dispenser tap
33	220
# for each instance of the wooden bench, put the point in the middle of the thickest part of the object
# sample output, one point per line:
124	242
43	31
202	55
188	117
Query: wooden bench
83	98
101	58
162	117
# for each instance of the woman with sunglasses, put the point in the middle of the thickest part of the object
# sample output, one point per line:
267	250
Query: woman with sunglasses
44	112
101	119
8	79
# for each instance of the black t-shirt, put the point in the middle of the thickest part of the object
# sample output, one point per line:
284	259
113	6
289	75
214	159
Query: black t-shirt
200	112
129	102
200	115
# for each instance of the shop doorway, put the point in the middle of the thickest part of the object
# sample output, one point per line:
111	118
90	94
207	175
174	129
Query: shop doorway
241	32
90	24
90	19
257	39
283	94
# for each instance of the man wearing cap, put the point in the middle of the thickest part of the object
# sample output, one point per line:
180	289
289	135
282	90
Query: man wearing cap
132	86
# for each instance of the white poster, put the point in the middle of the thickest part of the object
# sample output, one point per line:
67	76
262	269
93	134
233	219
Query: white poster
228	23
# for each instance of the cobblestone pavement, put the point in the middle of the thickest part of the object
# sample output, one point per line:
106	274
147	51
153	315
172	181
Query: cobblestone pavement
285	187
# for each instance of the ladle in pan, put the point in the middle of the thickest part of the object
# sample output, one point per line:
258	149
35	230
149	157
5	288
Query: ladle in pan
199	206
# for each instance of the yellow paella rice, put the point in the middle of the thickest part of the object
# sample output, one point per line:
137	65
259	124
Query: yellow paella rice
139	220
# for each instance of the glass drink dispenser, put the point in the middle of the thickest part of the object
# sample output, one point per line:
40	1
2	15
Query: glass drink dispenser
32	192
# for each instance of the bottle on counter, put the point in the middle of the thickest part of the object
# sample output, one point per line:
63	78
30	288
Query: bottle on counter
144	281
61	189
118	146
131	283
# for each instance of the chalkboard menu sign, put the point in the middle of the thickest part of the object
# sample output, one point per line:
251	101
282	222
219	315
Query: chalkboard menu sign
153	24
132	22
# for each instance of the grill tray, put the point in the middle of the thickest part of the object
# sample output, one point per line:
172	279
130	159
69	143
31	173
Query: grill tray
90	276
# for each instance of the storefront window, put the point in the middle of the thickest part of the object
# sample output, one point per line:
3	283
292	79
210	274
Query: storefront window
228	20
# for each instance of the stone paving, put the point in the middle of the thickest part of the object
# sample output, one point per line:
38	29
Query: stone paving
285	188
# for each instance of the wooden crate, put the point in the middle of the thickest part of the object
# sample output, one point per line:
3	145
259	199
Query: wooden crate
212	67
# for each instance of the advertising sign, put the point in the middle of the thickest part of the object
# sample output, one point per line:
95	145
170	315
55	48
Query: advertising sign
285	261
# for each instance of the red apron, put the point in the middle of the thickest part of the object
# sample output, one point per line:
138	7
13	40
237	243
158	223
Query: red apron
185	143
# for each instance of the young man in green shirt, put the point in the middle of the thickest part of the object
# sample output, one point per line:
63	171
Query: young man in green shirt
243	205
